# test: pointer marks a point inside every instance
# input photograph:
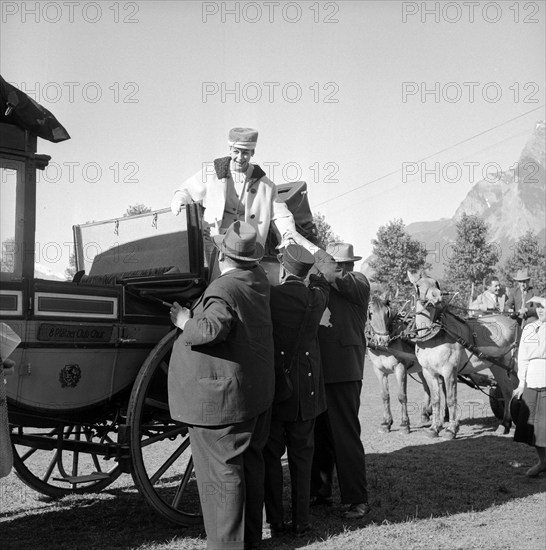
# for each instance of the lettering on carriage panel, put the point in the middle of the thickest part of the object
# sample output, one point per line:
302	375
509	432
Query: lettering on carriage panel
49	332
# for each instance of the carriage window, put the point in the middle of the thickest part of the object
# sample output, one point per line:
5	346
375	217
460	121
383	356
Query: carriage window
147	244
11	221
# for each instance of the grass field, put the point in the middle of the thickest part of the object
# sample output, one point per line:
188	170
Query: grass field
425	494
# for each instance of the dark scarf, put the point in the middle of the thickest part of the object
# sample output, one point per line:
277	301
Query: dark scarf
222	169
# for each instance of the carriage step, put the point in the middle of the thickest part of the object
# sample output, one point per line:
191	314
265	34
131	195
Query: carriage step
95	476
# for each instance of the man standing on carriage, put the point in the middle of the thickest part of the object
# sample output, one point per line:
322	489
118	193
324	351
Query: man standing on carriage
233	189
221	383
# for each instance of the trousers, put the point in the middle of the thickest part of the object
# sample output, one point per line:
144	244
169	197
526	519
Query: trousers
229	468
338	443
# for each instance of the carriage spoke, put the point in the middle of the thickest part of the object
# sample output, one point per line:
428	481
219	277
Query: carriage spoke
164	366
183	483
156	404
49	470
163	435
170	461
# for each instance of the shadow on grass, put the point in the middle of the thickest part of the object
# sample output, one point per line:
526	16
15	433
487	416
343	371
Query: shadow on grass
415	482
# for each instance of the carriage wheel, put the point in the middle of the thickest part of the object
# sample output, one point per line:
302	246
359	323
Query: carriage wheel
496	402
160	447
48	460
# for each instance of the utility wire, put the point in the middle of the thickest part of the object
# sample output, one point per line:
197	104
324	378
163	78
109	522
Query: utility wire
430	156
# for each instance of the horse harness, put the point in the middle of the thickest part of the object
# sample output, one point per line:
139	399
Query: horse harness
438	325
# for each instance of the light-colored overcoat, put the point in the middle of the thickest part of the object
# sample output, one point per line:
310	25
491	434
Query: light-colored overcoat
261	201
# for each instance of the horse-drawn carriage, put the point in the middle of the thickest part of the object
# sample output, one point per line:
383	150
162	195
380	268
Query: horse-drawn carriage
88	398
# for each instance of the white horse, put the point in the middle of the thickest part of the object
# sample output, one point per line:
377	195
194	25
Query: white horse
390	354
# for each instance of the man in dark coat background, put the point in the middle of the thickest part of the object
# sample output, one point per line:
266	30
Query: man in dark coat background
221	384
296	310
342	349
523	312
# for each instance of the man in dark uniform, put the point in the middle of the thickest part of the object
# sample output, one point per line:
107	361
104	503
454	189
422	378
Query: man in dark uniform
221	383
296	310
342	349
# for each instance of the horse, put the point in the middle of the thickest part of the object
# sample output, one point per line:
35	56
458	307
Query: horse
448	346
389	354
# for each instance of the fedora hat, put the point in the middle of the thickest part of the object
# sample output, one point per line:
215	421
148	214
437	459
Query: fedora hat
297	260
538	300
239	242
243	138
521	275
342	252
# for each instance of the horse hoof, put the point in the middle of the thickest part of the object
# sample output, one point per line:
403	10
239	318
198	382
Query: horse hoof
448	434
405	427
432	433
385	427
502	430
425	420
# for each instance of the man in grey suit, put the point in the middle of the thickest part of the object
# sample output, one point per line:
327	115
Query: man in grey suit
221	383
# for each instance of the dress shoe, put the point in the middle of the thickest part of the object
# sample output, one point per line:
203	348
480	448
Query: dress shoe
300	529
535	470
357	511
321	501
278	529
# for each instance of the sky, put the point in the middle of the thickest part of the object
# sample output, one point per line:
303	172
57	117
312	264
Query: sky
386	109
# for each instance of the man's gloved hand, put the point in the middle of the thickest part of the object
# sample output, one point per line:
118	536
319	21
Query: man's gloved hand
180	199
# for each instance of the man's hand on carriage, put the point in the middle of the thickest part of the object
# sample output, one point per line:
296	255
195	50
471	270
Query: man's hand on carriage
7	366
180	199
179	315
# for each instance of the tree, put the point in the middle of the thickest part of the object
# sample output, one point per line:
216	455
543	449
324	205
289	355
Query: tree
7	255
325	235
472	257
528	253
395	252
136	209
70	271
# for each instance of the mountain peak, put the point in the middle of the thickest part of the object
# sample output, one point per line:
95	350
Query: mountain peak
511	204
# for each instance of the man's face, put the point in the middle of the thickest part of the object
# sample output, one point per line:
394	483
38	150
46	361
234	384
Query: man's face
523	285
346	267
541	313
494	287
240	158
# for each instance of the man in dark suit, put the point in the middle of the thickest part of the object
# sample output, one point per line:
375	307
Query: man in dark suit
523	312
296	310
221	383
342	349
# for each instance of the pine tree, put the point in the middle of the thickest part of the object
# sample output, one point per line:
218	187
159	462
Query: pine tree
325	235
472	257
396	252
135	209
528	253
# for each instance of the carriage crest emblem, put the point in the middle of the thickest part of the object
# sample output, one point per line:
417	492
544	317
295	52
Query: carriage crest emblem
70	376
